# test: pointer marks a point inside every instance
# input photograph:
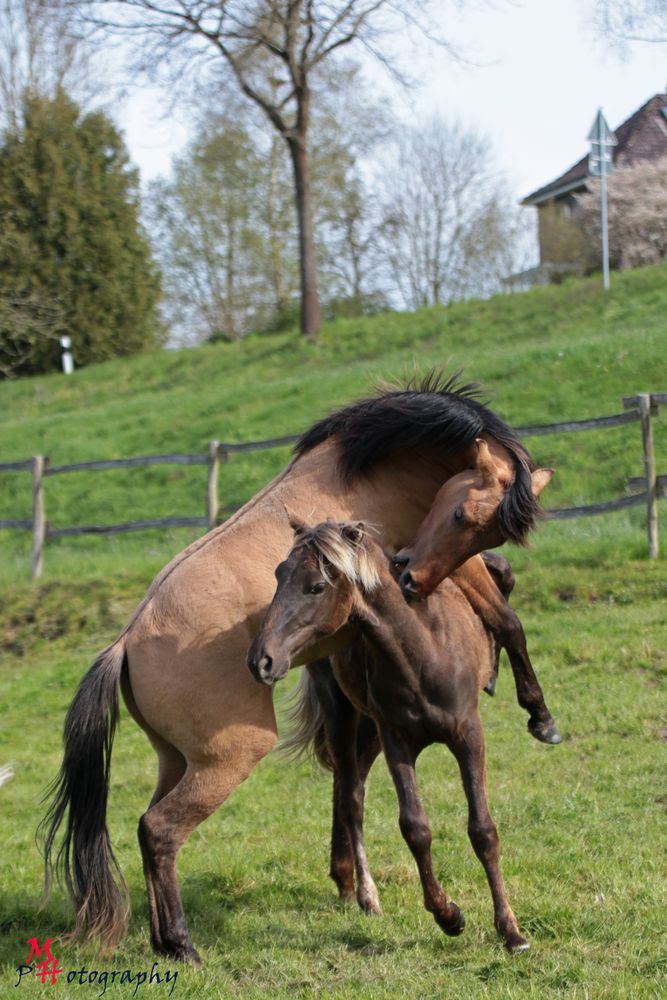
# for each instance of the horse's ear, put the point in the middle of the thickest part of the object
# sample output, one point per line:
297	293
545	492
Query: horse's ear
296	524
354	533
539	479
485	464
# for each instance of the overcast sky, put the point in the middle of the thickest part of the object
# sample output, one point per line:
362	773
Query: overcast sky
535	79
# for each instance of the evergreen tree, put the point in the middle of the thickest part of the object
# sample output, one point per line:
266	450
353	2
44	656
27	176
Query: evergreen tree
73	257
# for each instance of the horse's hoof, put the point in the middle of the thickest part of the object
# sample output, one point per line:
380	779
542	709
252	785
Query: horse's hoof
490	686
453	924
369	901
516	944
545	732
187	954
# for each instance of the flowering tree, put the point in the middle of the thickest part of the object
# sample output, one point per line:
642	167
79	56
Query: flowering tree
637	204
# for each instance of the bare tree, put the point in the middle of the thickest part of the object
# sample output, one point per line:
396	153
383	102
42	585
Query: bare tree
29	323
40	52
633	20
271	48
223	231
637	209
449	228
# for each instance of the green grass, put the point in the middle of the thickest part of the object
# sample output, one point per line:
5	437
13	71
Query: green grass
583	826
548	355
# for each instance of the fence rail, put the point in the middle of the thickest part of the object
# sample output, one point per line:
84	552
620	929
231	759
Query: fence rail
639	408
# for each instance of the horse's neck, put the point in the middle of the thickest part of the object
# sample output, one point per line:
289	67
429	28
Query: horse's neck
395	496
394	628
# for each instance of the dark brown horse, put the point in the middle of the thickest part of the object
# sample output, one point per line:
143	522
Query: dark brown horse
180	661
416	672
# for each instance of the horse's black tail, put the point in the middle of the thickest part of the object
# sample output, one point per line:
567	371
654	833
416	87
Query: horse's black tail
85	860
305	735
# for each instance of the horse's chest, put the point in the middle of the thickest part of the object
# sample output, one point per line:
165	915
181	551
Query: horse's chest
420	700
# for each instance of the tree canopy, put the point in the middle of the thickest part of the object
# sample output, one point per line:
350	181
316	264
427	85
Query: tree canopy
73	256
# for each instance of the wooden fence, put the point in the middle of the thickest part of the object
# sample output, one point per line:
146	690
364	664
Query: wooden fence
640	409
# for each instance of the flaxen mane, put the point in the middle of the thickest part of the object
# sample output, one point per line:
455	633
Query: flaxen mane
440	413
341	545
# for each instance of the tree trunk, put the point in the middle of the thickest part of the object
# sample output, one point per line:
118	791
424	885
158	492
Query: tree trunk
310	302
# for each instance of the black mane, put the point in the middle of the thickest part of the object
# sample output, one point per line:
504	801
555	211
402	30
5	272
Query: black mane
437	412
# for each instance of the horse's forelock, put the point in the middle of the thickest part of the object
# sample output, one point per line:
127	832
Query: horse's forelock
346	553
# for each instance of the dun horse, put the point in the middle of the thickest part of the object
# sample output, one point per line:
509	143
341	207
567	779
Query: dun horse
180	661
416	673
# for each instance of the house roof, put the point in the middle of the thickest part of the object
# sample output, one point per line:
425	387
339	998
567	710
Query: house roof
643	136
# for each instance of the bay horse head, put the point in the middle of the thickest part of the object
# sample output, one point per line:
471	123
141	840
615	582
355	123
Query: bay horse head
480	508
318	587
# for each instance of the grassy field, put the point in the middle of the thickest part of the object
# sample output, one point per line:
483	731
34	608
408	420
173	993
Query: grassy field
583	826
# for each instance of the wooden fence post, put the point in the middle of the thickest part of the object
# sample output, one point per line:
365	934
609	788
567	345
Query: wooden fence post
644	400
212	494
38	518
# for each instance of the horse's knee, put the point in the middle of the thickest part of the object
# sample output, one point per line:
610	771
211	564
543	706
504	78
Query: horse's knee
501	571
484	839
510	632
416	832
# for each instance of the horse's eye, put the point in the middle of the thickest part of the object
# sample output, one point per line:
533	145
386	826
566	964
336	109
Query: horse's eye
458	515
317	588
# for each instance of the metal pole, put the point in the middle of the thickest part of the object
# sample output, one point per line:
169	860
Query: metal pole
603	207
605	233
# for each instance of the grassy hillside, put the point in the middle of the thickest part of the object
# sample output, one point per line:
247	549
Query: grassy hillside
547	355
582	826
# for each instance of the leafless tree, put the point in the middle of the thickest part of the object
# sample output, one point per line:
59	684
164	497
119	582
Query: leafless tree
30	324
271	48
40	51
637	212
450	230
633	20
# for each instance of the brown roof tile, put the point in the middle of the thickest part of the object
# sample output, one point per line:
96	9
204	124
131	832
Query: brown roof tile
643	136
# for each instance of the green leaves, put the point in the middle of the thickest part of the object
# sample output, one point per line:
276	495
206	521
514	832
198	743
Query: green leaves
73	257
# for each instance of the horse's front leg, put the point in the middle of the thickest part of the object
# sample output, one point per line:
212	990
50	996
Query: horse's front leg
504	579
504	625
353	745
468	748
415	828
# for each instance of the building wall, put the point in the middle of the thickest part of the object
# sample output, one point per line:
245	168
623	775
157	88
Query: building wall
564	246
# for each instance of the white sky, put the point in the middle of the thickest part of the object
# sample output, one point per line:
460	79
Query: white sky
535	80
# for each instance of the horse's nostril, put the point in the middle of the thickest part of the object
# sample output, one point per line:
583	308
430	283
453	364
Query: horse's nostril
406	581
264	665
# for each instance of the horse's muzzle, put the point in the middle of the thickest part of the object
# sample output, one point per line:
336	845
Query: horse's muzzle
409	588
264	668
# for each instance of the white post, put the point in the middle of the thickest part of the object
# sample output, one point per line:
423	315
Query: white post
67	359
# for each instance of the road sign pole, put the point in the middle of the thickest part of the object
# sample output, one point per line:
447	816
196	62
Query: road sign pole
601	164
605	229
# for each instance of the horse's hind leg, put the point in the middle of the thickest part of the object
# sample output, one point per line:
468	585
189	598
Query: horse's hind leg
172	767
469	751
167	824
416	831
